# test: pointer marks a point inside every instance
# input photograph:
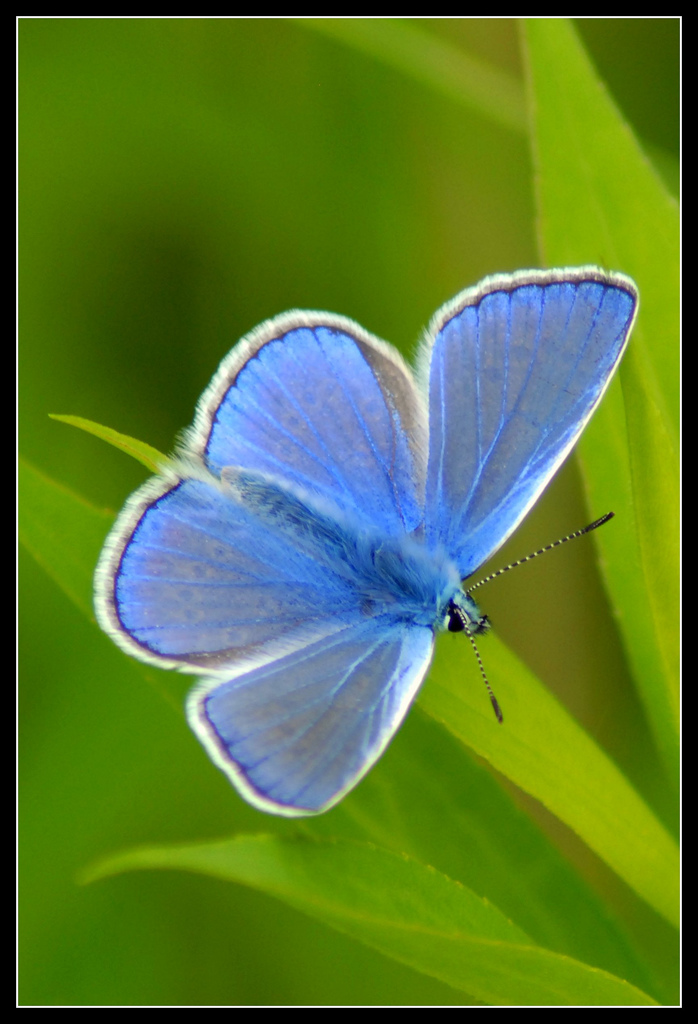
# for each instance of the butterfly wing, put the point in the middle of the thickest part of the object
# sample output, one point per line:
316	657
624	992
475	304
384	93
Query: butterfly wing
295	735
188	577
239	576
239	581
314	400
516	367
192	578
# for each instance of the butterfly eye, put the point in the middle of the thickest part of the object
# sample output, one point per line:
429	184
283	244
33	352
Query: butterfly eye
456	623
458	620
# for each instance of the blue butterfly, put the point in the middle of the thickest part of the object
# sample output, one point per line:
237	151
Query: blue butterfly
312	536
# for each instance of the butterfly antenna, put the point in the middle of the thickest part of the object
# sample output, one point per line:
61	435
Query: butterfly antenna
541	551
466	629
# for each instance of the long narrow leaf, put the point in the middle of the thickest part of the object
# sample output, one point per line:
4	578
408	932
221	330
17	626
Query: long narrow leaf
151	458
541	749
404	909
547	754
600	201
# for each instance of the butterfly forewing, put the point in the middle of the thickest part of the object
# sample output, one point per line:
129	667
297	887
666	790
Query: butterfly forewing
317	401
516	368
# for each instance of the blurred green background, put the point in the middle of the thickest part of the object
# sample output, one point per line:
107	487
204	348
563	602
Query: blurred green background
180	181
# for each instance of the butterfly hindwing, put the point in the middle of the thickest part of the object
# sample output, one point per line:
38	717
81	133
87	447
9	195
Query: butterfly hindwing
193	578
294	735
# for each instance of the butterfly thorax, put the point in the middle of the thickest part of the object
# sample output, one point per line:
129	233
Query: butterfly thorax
403	575
398	575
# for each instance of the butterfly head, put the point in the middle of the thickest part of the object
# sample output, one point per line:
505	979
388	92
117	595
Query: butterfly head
463	613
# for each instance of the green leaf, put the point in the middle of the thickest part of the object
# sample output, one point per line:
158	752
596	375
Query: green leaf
139	450
541	748
482	87
404	909
546	753
391	803
63	532
601	201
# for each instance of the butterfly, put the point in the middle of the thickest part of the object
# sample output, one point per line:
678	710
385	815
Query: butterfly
312	535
